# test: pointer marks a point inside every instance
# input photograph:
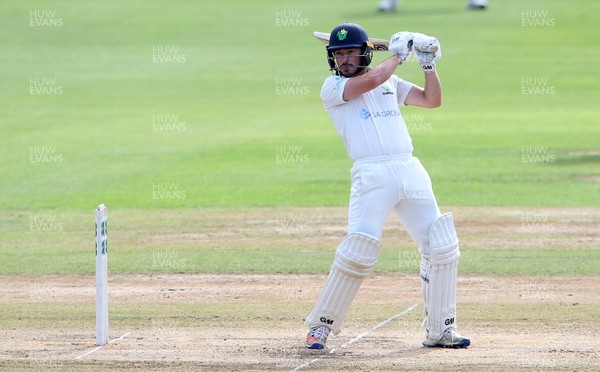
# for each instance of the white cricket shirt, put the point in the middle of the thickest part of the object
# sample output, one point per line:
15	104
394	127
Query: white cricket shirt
370	124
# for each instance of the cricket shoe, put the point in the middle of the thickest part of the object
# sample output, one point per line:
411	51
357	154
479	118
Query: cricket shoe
387	5
477	4
317	337
451	339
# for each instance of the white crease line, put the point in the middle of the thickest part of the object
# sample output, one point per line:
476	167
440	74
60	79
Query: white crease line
357	338
99	347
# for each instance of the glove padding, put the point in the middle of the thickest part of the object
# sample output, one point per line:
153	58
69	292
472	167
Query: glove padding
427	49
401	44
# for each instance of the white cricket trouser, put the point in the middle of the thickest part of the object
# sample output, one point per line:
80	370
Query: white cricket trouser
386	183
379	185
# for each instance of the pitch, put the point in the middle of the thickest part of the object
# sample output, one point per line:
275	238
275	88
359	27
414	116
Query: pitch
236	310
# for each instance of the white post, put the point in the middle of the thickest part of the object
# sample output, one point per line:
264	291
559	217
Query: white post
101	276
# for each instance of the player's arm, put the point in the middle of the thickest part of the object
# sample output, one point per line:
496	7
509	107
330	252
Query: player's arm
430	96
371	79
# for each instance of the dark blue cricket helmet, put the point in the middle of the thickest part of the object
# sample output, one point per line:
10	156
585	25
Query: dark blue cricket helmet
349	35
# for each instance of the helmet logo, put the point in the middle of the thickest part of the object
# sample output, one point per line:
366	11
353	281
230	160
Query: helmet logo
341	35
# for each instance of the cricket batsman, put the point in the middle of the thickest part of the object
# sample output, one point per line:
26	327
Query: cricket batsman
363	105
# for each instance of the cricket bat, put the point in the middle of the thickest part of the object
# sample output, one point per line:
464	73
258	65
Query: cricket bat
378	44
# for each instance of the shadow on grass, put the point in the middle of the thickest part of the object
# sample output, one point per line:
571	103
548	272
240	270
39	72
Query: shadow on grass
577	158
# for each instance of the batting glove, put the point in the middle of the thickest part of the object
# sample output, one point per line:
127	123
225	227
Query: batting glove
427	49
401	44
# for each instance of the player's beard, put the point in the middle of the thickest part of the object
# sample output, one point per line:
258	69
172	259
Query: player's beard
348	69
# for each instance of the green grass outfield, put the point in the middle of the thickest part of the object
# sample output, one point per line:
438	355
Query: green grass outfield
148	106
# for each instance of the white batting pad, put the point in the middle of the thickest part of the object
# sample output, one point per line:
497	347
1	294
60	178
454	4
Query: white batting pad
355	259
439	279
